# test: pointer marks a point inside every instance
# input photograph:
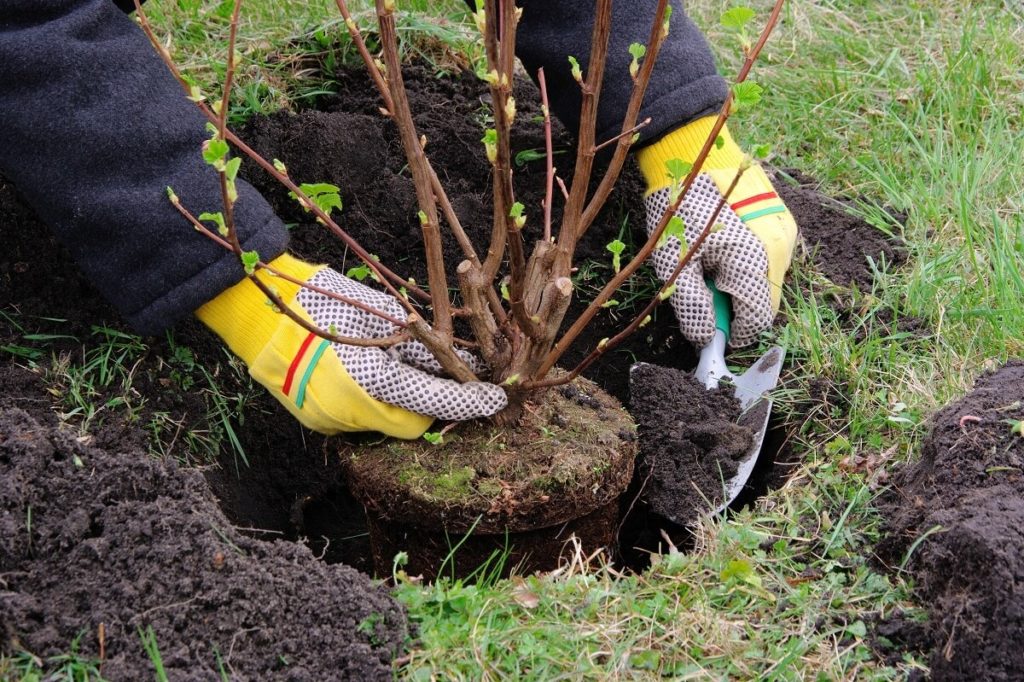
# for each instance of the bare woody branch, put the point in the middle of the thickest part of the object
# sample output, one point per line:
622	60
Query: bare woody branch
388	278
647	249
549	154
285	309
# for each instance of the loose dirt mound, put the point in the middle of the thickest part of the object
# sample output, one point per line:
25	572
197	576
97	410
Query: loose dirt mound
690	441
967	494
842	245
89	537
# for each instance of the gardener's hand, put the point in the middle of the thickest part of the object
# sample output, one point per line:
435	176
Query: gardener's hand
747	255
332	387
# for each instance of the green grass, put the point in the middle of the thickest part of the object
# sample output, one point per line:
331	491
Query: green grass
914	105
68	667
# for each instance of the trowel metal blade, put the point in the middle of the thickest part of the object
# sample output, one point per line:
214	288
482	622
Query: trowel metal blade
753	389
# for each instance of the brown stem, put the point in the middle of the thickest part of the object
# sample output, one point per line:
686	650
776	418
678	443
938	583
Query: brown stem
611	176
385	276
645	251
549	153
283	307
371	66
591	93
442	197
485	329
442	350
402	115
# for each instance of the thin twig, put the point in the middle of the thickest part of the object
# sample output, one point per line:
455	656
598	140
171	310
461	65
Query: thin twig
286	310
632	131
549	153
385	276
645	251
654	43
402	115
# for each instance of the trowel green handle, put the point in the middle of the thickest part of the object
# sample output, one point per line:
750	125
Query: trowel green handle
711	367
723	308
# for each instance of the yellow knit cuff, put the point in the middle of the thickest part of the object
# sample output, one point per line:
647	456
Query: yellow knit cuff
244	317
684	143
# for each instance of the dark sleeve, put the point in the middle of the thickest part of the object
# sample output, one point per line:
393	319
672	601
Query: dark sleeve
685	84
93	128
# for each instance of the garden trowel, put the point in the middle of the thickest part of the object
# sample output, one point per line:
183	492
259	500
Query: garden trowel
753	389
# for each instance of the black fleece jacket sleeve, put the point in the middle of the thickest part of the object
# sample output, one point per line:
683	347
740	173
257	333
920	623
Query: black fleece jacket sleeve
93	128
685	84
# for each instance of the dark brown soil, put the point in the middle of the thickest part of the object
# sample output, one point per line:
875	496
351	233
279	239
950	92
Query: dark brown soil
91	537
966	494
690	441
843	246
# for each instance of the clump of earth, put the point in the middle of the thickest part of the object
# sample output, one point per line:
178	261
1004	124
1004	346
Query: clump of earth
958	514
93	539
691	441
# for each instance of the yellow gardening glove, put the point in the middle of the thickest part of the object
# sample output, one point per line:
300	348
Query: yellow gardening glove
747	260
332	387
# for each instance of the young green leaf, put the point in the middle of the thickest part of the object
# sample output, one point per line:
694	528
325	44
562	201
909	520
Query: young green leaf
195	94
362	271
218	219
666	22
678	169
231	168
762	151
490	140
214	151
249	261
637	50
577	73
434	437
325	195
616	247
280	167
746	95
736	18
516	214
359	272
719	142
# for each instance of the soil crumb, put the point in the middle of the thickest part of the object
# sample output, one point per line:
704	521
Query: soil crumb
965	498
690	441
90	537
843	246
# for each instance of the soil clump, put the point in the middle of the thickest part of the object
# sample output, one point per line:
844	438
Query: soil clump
89	536
690	441
960	511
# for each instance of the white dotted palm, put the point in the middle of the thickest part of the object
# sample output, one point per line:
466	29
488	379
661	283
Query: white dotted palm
404	374
732	256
